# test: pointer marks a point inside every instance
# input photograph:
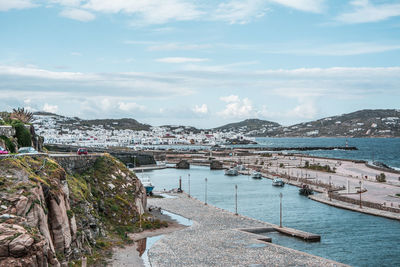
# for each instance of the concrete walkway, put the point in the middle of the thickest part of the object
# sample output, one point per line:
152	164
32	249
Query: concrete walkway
214	240
323	198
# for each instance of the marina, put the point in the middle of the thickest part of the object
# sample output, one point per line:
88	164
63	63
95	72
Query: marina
345	235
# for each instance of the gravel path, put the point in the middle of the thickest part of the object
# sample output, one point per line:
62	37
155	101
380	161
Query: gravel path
214	240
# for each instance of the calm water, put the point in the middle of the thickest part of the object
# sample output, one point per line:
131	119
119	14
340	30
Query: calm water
386	150
348	237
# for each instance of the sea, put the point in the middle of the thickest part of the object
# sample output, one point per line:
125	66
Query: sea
349	237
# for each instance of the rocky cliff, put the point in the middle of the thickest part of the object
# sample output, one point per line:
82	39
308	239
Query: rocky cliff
49	217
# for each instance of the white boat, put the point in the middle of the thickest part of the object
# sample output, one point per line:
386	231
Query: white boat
148	185
256	175
232	172
278	182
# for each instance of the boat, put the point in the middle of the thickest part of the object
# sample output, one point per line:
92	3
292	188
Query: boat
147	185
278	182
232	172
305	190
256	175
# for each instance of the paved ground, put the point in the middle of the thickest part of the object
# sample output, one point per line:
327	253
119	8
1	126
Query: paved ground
347	172
214	240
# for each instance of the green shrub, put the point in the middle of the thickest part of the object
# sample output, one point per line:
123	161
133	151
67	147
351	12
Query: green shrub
381	178
9	145
23	135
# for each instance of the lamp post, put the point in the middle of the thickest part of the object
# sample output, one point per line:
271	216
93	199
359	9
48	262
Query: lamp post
330	188
205	193
280	210
236	187
189	183
360	196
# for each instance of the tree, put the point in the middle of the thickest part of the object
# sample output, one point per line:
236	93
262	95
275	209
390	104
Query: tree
22	134
381	178
22	115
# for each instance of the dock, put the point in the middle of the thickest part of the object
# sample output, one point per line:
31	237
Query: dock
299	234
148	168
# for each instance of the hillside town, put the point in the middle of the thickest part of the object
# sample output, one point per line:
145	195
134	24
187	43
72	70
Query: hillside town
55	131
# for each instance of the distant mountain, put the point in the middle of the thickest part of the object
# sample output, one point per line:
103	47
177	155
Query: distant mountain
77	123
362	123
250	127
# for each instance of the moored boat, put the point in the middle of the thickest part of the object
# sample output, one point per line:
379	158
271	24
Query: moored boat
256	175
147	185
232	172
278	182
305	190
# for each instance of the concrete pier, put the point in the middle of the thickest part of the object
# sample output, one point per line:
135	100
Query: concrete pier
221	238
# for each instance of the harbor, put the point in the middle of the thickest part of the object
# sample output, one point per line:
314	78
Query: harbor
216	238
341	241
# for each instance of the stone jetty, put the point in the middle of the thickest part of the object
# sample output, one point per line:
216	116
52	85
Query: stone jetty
215	239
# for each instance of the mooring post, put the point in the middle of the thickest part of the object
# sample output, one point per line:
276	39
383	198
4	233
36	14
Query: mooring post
205	192
280	217
348	186
236	213
330	188
189	183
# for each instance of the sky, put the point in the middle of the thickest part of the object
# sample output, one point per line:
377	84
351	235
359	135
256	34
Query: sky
202	63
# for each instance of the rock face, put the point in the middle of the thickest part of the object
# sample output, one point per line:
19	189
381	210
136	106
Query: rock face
216	165
48	217
183	164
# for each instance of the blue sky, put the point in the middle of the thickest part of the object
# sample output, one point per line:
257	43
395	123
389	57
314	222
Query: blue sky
200	63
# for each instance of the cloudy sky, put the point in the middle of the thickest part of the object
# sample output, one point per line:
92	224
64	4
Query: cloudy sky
200	62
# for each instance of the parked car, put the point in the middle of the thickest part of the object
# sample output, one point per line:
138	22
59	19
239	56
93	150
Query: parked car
3	151
27	150
82	151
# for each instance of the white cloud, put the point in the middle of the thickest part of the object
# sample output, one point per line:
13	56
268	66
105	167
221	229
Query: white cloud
240	11
149	11
75	54
315	6
305	109
365	12
177	46
203	109
340	49
180	59
6	5
230	98
77	14
70	3
50	108
130	106
236	108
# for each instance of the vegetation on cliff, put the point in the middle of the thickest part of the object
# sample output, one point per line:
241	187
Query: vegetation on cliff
63	216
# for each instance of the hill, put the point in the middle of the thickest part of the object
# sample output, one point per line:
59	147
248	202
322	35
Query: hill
250	127
362	123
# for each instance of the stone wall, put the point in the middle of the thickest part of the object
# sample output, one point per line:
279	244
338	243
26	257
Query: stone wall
364	203
76	164
134	157
7	130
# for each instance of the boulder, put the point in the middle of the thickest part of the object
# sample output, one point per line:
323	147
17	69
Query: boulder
183	164
216	165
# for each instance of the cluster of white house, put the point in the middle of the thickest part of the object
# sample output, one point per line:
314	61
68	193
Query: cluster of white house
54	131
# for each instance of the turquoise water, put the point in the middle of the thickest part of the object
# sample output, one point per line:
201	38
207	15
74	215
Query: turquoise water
386	150
349	237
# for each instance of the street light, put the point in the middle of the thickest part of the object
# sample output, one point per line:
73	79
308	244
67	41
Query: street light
360	196
205	192
280	209
189	183
236	187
